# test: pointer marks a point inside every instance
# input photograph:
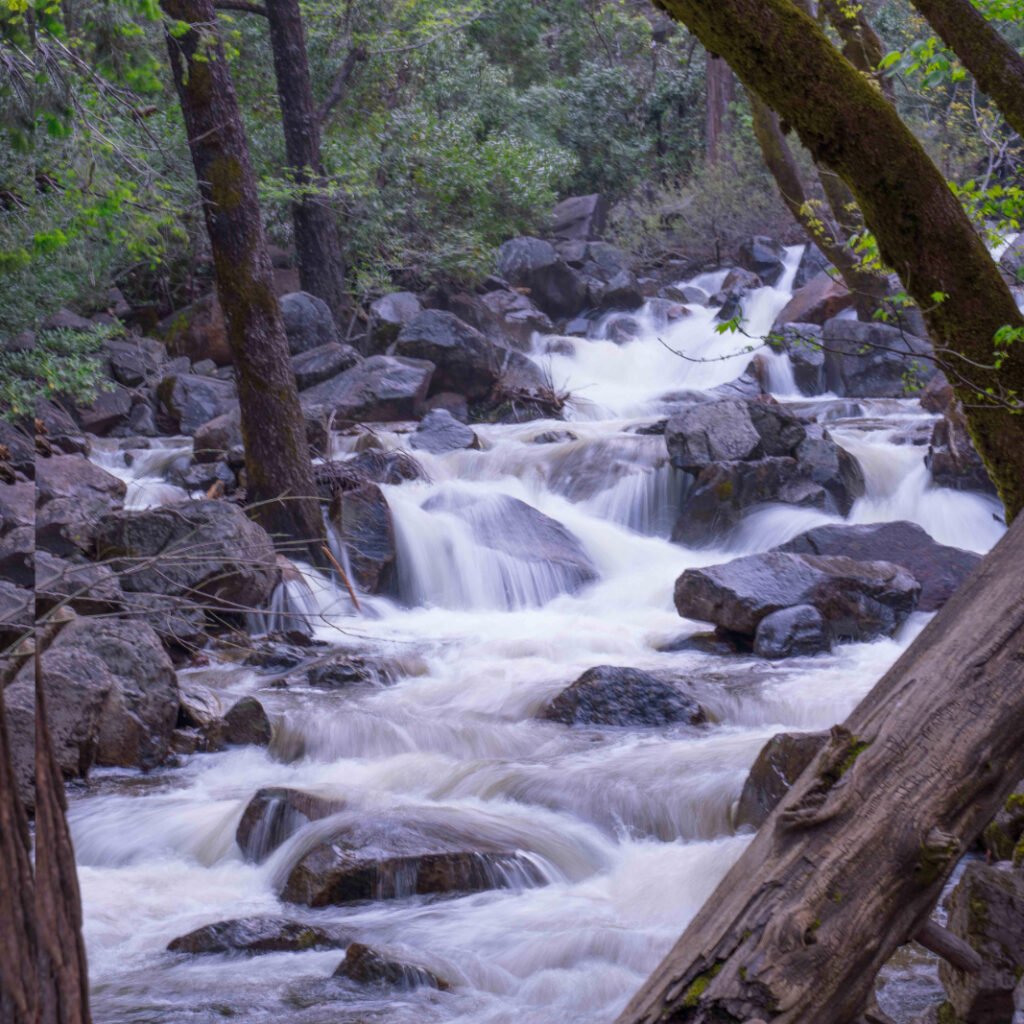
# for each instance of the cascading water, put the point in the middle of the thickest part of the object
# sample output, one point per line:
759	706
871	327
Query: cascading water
620	834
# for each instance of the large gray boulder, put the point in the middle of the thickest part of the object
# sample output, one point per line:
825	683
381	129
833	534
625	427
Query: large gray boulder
874	360
440	432
857	600
360	519
465	361
986	909
818	301
206	552
85	587
188	400
609	695
72	494
17	532
322	363
712	432
579	218
555	287
274	815
953	460
938	568
134	361
380	389
389	314
802	343
308	322
503	315
763	256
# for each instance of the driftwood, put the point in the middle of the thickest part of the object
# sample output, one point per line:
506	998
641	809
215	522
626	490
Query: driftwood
851	862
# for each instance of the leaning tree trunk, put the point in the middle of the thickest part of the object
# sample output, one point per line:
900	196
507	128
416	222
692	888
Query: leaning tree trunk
719	90
923	234
280	476
321	268
851	862
997	67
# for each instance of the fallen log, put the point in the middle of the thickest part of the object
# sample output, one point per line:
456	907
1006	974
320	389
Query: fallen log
852	860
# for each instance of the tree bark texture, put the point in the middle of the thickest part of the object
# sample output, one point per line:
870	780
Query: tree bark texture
996	66
317	243
923	234
280	476
719	93
851	862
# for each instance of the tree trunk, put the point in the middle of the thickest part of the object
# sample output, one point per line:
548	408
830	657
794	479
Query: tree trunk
280	476
868	290
321	268
851	862
719	92
922	232
63	978
862	46
996	66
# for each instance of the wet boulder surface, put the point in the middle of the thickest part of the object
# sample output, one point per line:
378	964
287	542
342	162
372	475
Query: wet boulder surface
255	935
274	815
779	764
612	696
368	966
380	389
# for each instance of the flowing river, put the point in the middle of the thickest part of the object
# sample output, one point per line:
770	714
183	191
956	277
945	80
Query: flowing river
628	828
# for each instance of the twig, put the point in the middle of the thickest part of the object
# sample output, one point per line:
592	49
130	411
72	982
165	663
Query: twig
344	576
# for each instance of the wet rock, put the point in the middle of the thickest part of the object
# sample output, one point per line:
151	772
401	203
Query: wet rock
511	318
791	632
381	389
389	314
622	330
322	363
737	283
209	552
1003	837
246	723
56	432
621	291
188	400
780	763
134	361
816	302
339	672
608	695
938	395
254	935
874	360
802	343
399	854
86	588
274	815
555	437
439	432
202	710
192	475
109	409
831	467
938	568
512	527
215	438
711	432
764	257
858	600
688	294
142	421
16	613
952	458
780	432
198	332
579	217
555	287
71	495
367	966
308	322
371	466
812	263
17	453
986	909
702	643
665	312
361	521
17	533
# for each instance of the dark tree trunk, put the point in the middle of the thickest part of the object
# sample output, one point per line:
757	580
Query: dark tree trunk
922	232
19	946
719	92
851	862
862	46
996	66
280	476
63	978
321	268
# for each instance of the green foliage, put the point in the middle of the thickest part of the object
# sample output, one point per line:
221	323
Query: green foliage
60	363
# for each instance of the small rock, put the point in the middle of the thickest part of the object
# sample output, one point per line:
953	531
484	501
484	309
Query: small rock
247	723
254	935
274	815
439	432
791	632
367	966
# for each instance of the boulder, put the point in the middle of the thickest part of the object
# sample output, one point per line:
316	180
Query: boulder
274	815
711	432
511	527
737	283
193	475
819	300
687	294
322	363
198	332
109	408
938	568
367	966
986	909
938	396
554	286
380	389
361	523
764	257
802	343
17	453
17	533
188	400
66	320
620	291
952	458
396	854
831	467
201	711
579	218
608	695
56	431
17	614
85	587
255	935
72	494
791	632
512	318
389	314
208	552
450	402
308	322
440	432
134	361
858	600
215	438
812	263
874	360
780	763
246	724
372	466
